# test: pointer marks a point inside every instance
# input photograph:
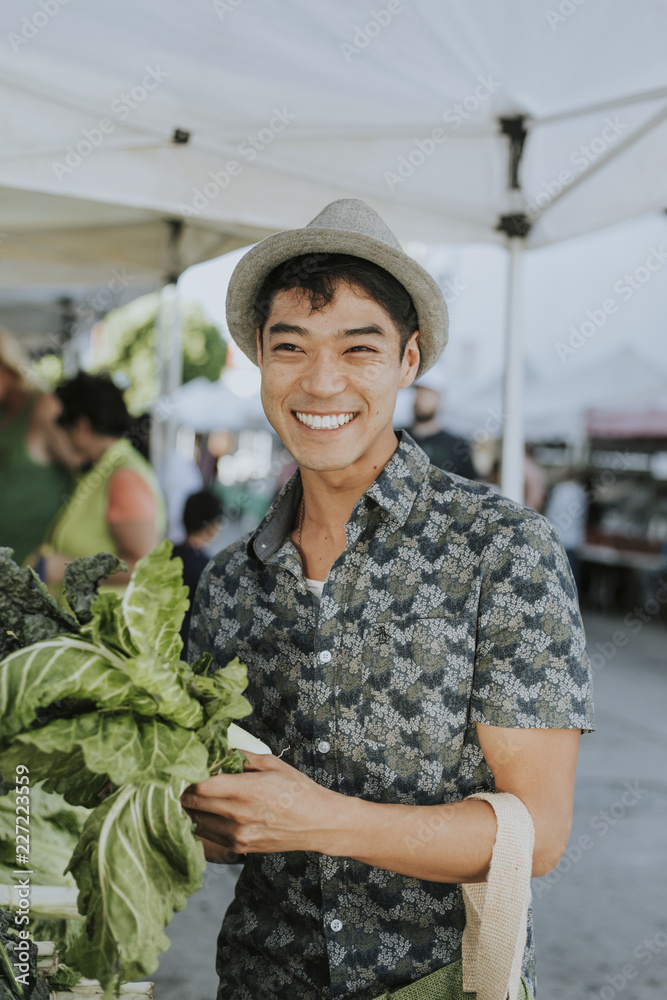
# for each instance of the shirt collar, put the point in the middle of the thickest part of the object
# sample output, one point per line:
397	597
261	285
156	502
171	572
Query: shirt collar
394	489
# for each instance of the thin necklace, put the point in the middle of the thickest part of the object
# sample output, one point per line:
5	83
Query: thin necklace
302	508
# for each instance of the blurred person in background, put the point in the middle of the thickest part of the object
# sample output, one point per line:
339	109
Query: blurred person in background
567	509
446	451
202	515
116	505
35	454
535	482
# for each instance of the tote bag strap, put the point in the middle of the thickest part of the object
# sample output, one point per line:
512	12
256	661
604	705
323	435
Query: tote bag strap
494	938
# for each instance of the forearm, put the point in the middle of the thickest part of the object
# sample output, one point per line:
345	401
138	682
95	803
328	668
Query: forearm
445	843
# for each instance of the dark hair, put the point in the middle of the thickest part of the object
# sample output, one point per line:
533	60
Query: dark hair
318	275
200	510
95	397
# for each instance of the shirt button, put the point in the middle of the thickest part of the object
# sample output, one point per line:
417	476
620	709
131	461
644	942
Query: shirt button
324	746
325	656
336	925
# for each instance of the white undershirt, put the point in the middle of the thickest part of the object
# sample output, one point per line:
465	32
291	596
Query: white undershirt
315	587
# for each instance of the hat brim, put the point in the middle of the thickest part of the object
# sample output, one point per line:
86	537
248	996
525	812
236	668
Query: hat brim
254	267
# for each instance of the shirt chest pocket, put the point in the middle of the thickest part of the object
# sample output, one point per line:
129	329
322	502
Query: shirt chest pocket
416	680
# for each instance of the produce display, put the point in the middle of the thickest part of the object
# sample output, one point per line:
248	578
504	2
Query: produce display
98	706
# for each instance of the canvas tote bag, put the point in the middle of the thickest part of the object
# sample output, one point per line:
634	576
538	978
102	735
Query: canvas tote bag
494	938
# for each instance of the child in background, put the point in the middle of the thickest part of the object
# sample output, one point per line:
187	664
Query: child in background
201	517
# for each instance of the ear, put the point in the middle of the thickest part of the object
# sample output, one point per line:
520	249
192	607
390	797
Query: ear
410	362
259	346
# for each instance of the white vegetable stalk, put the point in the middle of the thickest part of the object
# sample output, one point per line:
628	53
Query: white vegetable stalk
239	739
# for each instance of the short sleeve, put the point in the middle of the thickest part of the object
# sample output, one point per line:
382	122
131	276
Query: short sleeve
531	666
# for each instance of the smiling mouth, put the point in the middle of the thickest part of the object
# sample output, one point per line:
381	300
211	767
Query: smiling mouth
325	422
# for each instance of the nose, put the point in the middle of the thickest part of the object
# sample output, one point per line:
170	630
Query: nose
322	377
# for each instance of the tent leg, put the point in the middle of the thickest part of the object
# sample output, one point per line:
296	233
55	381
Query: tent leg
169	363
513	444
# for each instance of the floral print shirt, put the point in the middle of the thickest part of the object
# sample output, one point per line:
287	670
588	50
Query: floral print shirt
450	605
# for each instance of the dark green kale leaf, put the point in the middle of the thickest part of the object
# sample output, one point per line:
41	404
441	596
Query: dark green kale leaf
82	579
28	613
15	984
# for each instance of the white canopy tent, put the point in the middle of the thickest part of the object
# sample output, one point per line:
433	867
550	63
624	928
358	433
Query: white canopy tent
153	134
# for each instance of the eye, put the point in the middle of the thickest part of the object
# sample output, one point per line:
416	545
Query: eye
362	347
286	347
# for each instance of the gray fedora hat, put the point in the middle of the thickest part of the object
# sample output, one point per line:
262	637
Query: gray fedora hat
346	226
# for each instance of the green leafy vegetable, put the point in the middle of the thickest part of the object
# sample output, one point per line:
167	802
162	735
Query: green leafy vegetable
132	876
64	978
28	613
155	602
105	703
19	980
82	579
55	828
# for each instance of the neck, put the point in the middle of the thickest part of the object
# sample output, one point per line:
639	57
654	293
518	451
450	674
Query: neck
330	496
98	446
423	428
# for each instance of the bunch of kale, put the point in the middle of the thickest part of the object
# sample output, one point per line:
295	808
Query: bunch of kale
101	699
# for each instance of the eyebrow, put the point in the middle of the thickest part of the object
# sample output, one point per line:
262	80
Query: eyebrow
357	331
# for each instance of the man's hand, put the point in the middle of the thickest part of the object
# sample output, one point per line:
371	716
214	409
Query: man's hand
270	807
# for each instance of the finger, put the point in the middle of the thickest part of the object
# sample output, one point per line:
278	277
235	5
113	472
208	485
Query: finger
219	786
219	855
257	761
263	762
215	829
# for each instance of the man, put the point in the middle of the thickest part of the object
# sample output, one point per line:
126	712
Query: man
445	655
447	451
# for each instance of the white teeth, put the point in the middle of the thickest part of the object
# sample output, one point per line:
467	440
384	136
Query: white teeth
328	422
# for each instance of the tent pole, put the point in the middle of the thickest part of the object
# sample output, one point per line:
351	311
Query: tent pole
512	476
169	363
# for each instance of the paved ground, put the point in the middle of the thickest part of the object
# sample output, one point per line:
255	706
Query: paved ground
601	917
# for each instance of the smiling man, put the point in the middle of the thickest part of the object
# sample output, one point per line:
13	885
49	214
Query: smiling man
411	637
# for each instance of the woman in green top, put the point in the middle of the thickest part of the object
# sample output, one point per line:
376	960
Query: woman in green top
116	505
35	455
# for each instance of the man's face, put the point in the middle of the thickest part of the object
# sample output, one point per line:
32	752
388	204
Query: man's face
338	362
